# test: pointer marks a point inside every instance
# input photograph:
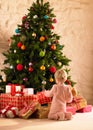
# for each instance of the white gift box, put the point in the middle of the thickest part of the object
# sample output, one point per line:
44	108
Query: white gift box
28	91
13	89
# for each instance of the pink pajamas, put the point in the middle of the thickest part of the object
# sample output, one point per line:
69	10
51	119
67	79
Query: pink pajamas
61	96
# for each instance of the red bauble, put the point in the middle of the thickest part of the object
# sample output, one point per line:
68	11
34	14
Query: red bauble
24	17
30	69
68	82
53	47
19	67
52	27
52	69
19	44
54	21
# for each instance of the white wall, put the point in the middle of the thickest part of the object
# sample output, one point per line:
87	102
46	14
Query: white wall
75	26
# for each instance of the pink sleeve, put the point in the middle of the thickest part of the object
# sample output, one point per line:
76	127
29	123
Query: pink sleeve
49	93
69	96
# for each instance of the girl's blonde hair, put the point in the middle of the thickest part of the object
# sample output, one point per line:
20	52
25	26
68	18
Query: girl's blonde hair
60	74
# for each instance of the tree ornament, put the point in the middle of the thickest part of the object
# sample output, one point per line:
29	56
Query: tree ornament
17	61
52	69
42	53
54	21
26	25
60	47
23	38
25	79
17	31
44	82
19	67
41	29
53	47
49	43
35	16
42	38
23	47
34	34
24	17
51	79
52	27
14	51
30	69
11	66
67	82
59	63
30	64
46	17
19	44
42	67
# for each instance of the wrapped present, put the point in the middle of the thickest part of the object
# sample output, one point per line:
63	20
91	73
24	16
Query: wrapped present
14	89
28	91
88	108
71	109
42	112
16	101
9	111
78	102
29	109
42	99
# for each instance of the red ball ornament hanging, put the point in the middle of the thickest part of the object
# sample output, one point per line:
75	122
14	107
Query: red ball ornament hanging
52	69
19	67
53	47
52	27
19	44
67	82
30	69
54	21
24	17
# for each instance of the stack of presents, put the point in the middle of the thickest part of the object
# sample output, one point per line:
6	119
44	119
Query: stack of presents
21	102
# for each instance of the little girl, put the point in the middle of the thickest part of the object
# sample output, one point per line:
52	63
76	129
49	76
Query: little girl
62	95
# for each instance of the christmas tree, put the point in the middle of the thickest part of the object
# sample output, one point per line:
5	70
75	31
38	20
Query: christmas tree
35	52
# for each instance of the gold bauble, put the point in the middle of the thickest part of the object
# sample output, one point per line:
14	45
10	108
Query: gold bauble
42	38
23	47
51	80
42	67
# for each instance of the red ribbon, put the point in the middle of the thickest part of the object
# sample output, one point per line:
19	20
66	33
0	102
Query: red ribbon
6	109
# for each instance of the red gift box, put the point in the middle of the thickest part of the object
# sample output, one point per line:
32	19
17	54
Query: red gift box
28	109
42	99
16	101
88	108
78	103
9	111
14	89
71	109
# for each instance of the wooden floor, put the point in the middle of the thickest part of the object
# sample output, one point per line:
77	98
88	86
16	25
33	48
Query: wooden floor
80	121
